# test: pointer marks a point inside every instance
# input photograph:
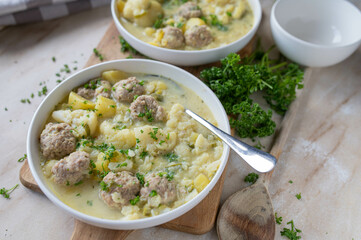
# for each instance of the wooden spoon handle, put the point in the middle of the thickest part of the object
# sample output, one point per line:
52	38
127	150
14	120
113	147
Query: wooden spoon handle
282	134
83	231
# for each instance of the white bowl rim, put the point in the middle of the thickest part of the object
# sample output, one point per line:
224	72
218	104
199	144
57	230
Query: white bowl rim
294	38
127	224
167	50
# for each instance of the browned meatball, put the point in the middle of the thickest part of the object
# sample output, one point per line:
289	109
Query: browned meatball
147	107
87	93
125	90
157	185
173	37
189	10
71	169
121	187
95	88
57	140
198	36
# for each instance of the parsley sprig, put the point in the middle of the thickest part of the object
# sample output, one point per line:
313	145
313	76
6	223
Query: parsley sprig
292	233
236	80
6	192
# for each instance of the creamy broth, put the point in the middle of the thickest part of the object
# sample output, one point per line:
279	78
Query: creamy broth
197	151
227	21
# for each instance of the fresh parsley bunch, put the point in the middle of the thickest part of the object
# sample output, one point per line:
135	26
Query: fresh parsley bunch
236	80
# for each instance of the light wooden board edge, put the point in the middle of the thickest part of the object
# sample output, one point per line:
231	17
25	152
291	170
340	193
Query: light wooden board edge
198	220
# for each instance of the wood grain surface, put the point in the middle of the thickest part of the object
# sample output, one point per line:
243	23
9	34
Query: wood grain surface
201	218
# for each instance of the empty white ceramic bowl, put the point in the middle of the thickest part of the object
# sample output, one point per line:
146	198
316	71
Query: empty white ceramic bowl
189	58
132	65
316	33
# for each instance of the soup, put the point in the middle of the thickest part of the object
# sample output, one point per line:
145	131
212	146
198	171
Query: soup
186	25
121	147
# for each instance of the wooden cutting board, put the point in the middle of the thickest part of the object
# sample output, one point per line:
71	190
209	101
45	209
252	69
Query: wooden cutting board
201	218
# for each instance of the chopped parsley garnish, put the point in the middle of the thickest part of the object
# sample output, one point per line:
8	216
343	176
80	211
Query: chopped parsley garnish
170	176
53	59
161	142
113	106
32	95
229	14
118	127
135	200
278	219
215	22
89	202
137	140
97	53
298	196
171	157
292	233
290	181
78	183
153	193
22	158
6	109
154	133
251	178
143	154
104	186
6	192
141	83
78	195
159	22
180	25
124	164
125	47
140	178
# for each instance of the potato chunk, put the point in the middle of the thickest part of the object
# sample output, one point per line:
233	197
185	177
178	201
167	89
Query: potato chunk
192	22
78	102
114	76
200	182
105	107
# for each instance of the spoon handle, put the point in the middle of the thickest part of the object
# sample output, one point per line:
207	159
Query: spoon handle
258	159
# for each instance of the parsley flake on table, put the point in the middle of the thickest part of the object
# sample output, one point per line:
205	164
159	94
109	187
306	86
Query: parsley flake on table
278	219
6	192
292	233
22	158
298	196
97	53
251	178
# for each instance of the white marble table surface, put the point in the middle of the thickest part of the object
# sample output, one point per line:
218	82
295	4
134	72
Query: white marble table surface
321	157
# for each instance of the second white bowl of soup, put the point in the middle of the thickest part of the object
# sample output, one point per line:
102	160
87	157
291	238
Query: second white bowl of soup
113	146
187	33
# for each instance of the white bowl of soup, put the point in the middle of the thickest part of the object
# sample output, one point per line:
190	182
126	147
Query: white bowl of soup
112	146
187	33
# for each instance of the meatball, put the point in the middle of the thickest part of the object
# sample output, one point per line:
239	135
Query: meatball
72	168
120	188
125	90
87	93
103	89
189	10
173	37
157	185
57	140
95	88
198	36
146	106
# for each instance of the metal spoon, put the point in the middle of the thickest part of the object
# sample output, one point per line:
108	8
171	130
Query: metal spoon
259	160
